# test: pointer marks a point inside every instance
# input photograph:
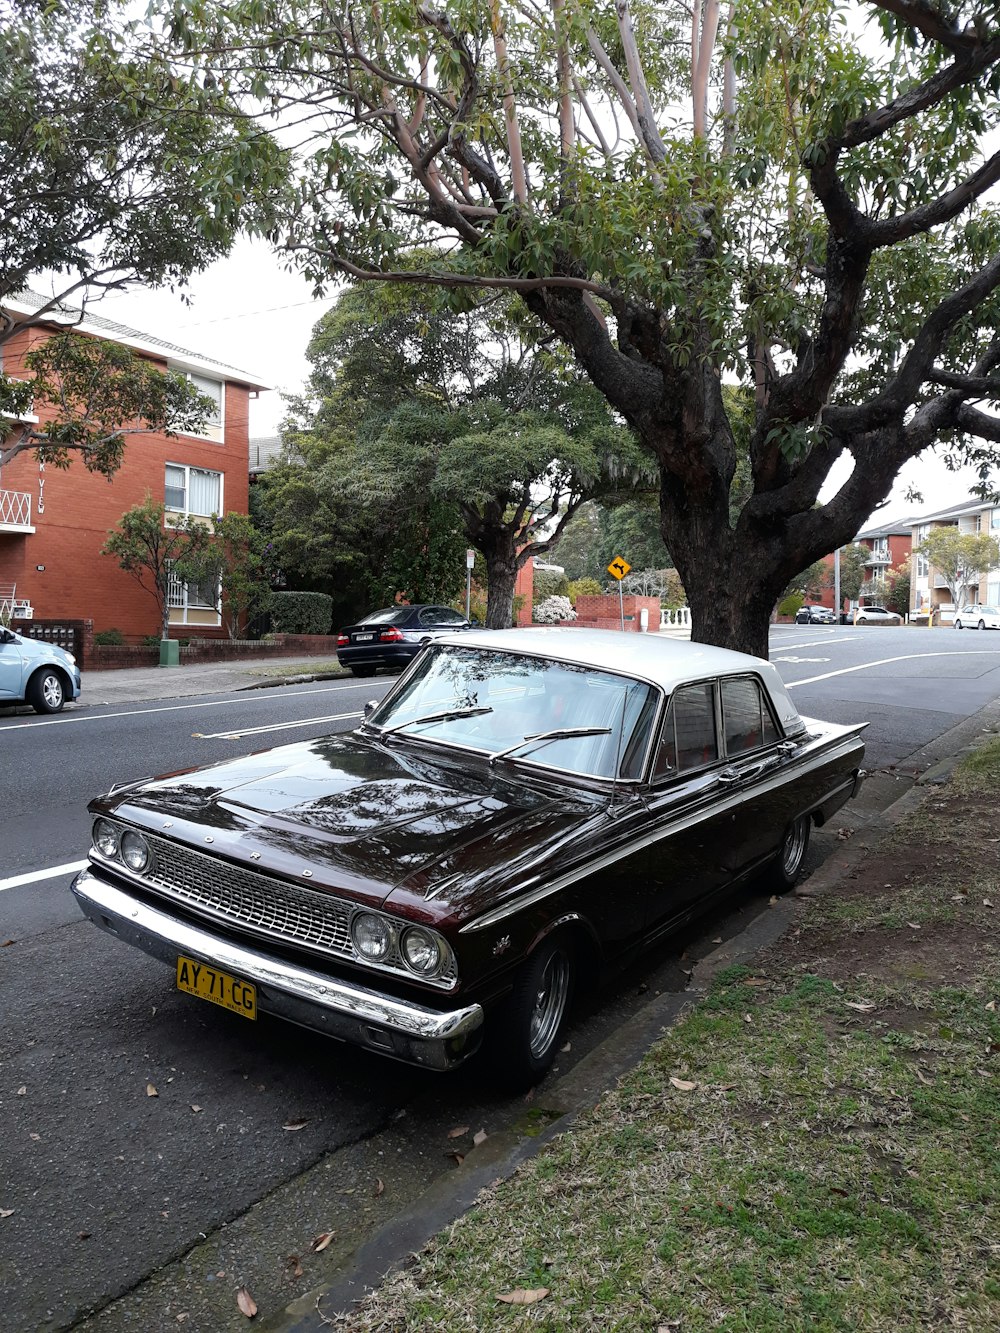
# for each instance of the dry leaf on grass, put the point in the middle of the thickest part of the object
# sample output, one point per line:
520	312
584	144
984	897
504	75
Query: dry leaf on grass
151	1091
913	925
862	1006
322	1241
992	1006
458	1131
682	1084
246	1302
480	1137
295	1124
294	1265
923	1077
524	1296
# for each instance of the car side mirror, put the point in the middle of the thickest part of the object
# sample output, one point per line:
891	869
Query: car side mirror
370	707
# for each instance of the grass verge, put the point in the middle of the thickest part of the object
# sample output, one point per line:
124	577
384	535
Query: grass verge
813	1147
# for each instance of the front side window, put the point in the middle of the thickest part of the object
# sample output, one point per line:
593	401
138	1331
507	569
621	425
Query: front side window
440	615
192	490
688	740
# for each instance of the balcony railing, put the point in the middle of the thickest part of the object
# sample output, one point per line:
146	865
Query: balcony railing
878	555
15	511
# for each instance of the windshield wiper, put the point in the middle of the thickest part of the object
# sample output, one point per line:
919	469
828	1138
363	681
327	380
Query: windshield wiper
543	737
445	716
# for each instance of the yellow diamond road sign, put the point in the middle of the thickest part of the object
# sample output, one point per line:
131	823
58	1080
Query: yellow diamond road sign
619	567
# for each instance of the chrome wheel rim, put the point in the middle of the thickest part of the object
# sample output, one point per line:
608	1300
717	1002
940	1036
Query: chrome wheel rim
550	1004
52	691
794	847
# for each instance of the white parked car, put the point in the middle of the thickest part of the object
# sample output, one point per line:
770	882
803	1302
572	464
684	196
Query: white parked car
876	615
978	616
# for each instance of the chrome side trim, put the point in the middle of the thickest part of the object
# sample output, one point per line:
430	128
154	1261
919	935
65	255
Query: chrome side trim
716	807
404	1030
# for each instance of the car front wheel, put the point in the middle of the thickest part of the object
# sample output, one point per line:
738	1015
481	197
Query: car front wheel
528	1027
958	624
46	692
981	625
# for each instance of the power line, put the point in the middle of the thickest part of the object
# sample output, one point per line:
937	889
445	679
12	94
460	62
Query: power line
250	314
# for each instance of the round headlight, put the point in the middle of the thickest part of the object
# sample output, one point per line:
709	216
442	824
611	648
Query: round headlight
105	837
421	951
135	851
372	937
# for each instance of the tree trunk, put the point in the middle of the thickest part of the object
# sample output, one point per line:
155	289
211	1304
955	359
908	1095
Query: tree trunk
501	576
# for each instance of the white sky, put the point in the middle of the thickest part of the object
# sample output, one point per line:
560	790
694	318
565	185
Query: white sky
249	312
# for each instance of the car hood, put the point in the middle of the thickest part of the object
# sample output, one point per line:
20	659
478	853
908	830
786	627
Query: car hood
365	819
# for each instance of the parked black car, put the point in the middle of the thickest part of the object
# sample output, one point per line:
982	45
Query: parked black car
815	615
522	812
393	636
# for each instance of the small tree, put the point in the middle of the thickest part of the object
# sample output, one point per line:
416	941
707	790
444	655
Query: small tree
960	558
853	559
154	553
898	596
238	557
646	583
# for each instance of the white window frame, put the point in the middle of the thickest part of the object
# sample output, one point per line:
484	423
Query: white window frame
179	598
215	428
188	468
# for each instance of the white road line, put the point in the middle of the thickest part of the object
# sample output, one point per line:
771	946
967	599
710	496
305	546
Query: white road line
173	708
17	880
274	726
882	661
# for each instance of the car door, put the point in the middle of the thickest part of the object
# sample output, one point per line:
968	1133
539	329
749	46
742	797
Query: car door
11	667
759	807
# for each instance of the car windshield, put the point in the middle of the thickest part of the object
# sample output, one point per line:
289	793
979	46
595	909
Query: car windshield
389	615
493	702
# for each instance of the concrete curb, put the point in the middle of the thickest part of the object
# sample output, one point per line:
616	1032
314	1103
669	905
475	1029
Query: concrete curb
502	1154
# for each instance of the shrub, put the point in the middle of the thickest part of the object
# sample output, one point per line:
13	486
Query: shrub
549	583
791	604
552	610
109	638
302	613
585	587
151	641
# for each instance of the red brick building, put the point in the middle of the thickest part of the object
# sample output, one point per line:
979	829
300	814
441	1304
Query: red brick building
53	523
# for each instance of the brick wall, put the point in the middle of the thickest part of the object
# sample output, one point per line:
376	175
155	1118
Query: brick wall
604	612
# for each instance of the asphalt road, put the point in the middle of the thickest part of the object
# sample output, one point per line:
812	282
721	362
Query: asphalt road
107	1183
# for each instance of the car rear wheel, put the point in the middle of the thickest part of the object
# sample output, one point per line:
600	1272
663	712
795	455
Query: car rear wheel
526	1030
363	670
46	692
981	625
788	863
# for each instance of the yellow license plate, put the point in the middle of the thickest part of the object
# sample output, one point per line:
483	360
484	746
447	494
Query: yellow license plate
208	983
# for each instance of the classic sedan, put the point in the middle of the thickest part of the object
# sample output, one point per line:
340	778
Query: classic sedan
523	811
394	636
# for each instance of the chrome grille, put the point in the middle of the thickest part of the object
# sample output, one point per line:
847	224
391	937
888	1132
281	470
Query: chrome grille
263	905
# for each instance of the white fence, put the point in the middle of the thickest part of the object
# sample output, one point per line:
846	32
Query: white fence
15	509
679	619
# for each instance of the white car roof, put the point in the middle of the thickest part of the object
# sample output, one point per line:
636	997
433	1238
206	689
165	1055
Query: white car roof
663	661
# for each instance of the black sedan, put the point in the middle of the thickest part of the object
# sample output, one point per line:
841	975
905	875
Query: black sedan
815	615
522	812
393	636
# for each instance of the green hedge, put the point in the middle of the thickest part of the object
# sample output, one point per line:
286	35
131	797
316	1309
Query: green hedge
301	613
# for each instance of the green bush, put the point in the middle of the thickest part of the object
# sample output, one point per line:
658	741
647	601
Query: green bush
791	604
109	638
151	641
548	583
301	613
585	587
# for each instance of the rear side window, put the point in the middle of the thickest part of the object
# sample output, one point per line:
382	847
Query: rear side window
440	615
389	615
688	739
746	718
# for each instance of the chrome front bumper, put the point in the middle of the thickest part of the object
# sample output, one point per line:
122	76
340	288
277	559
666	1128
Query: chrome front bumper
363	1017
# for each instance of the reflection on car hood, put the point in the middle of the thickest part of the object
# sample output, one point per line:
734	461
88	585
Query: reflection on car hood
365	818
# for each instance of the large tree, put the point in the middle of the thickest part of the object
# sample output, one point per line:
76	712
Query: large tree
793	197
114	171
962	559
410	398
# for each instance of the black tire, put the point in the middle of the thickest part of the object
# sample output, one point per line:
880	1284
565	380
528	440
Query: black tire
363	671
958	624
981	625
787	865
46	691
527	1029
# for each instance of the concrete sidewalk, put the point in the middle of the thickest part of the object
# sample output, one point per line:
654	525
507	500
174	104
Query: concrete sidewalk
135	684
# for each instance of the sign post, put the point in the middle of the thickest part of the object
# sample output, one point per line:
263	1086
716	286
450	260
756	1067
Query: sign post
470	560
618	569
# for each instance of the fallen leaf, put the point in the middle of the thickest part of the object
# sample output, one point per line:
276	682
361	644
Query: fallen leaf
862	1006
6	1212
295	1124
773	899
923	1077
564	1050
379	1189
524	1296
992	1006
246	1302
151	1091
294	1265
37	1137
682	1084
22	1091
181	1318
959	898
987	903
194	1108
458	1157
458	1131
913	925
480	1137
6	943
747	1018
717	940
322	1241
756	981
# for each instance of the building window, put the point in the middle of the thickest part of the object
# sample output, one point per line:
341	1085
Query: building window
192	490
196	603
921	566
216	391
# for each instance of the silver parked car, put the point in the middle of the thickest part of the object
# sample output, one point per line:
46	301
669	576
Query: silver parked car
37	673
876	615
978	616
